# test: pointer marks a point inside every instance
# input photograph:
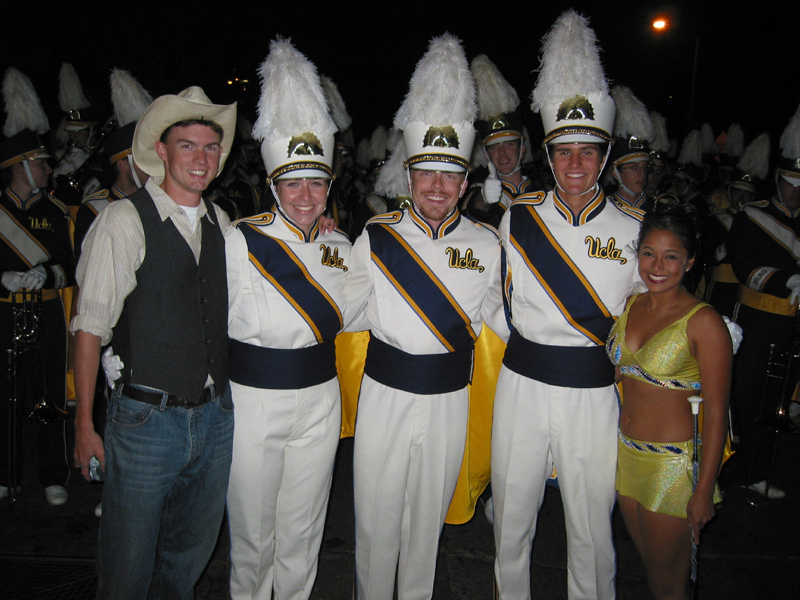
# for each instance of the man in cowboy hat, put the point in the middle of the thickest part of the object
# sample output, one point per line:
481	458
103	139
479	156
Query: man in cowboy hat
152	276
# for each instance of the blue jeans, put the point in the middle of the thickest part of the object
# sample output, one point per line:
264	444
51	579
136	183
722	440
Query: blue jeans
166	476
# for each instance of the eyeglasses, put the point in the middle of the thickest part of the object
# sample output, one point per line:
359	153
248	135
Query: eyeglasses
639	167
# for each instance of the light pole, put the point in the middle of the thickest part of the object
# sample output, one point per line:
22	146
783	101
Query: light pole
662	24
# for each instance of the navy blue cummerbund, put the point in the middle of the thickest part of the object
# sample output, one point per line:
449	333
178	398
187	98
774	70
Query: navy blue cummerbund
282	369
564	366
418	373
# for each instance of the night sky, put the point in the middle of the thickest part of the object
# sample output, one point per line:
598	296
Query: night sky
747	65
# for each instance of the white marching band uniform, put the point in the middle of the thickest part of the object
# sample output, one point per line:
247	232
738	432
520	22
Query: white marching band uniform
555	403
426	295
286	301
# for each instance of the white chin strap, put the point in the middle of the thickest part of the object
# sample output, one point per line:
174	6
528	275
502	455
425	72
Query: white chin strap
133	172
519	161
592	189
622	185
35	189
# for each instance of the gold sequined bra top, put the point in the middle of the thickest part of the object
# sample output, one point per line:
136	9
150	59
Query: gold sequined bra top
665	360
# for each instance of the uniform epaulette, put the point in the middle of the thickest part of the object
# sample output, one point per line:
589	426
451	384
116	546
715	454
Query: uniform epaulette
98	195
634	213
342	233
757	204
389	218
479	224
262	219
59	204
531	198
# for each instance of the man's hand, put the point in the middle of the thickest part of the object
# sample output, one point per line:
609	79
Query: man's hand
492	187
736	333
12	280
794	286
34	278
112	367
326	224
87	445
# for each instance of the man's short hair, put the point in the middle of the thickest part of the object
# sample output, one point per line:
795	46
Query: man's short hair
188	123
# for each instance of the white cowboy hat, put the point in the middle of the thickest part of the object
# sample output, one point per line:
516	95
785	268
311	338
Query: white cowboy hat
191	103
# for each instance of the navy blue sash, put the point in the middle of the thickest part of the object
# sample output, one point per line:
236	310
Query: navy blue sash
286	272
564	366
559	276
282	369
421	288
418	373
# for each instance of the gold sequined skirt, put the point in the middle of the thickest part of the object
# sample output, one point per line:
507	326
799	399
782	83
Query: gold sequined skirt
657	475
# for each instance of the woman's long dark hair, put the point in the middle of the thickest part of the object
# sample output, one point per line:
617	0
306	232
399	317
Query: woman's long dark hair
680	219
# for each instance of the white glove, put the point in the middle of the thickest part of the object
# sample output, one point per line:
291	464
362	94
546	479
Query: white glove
34	278
12	280
794	285
492	188
736	333
112	366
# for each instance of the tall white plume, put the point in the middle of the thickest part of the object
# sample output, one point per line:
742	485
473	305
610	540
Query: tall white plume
790	139
570	62
632	116
129	98
660	138
377	144
734	141
392	181
70	91
336	104
442	91
362	153
23	108
692	149
495	95
707	141
291	100
755	158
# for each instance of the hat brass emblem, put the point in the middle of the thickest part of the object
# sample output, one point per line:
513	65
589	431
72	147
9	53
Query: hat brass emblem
443	137
635	143
305	144
574	109
499	123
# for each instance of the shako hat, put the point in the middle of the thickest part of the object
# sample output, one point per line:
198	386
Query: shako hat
130	100
633	128
78	112
294	127
788	165
25	121
499	118
571	92
438	112
191	103
753	166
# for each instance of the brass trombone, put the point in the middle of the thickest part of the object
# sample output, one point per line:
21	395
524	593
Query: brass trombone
783	371
26	309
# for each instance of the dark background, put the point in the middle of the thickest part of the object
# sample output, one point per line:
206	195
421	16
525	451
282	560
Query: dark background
746	71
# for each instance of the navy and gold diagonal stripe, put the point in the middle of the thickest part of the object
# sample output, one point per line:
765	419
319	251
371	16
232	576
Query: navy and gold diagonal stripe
559	276
285	271
421	288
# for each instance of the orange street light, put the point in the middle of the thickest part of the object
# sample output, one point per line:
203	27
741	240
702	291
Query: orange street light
660	24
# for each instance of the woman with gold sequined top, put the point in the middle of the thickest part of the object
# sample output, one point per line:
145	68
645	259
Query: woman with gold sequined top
668	346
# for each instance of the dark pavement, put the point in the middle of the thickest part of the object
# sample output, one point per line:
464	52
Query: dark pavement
746	552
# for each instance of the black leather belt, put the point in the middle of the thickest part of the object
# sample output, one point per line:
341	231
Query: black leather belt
156	398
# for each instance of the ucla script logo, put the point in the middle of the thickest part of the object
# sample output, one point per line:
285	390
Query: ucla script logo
36	223
330	258
608	252
467	262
